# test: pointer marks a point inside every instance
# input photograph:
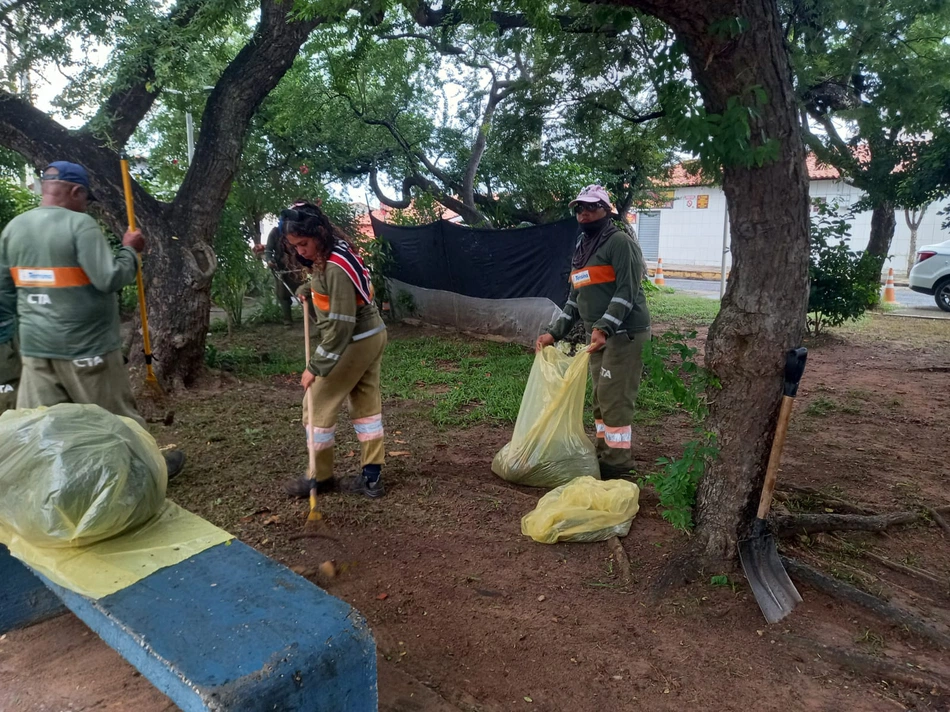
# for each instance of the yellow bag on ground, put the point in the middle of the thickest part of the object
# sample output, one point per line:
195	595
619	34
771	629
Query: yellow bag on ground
549	446
583	510
72	475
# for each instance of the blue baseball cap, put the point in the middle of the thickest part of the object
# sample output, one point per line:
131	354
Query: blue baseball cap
69	173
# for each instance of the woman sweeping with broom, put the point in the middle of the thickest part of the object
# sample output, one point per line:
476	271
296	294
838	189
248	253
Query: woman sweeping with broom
346	363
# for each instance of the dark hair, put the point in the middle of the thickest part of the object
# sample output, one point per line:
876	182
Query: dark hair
306	219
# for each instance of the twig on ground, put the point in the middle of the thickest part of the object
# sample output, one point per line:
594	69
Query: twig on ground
815	523
622	560
888	611
873	666
932	511
845	506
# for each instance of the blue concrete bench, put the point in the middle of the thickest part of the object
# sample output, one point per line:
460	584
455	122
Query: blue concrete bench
228	629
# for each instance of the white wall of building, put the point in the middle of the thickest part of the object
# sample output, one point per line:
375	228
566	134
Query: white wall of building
691	235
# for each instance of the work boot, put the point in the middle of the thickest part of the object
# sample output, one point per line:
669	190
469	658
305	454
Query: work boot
610	472
300	488
368	483
174	462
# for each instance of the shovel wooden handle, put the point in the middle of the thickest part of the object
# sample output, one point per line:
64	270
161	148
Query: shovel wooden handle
775	458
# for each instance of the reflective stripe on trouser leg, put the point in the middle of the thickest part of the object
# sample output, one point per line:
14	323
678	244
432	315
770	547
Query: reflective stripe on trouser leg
599	424
370	433
323	436
616	372
618	438
366	405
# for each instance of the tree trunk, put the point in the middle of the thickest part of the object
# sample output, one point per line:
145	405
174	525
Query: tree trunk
913	218
763	311
883	224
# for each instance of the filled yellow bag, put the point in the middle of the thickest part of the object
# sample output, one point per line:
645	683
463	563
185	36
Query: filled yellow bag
583	510
549	446
72	475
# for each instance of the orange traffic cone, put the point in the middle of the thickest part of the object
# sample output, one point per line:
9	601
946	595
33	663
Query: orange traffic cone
889	296
658	277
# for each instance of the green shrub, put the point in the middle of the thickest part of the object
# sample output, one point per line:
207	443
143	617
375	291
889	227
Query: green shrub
843	284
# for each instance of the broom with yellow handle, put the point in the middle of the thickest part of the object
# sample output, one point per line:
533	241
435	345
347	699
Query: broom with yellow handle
150	379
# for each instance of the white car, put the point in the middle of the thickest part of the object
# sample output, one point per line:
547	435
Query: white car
931	273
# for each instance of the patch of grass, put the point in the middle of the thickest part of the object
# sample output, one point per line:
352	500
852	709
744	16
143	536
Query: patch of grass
468	382
682	309
820	407
245	362
873	328
476	382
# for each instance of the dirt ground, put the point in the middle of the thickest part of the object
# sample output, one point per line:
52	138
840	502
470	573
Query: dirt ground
469	614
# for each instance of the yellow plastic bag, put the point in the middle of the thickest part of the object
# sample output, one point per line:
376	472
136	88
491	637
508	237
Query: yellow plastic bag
75	474
549	446
583	510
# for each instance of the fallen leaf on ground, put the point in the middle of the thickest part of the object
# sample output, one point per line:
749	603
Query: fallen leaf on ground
275	519
399	453
382	596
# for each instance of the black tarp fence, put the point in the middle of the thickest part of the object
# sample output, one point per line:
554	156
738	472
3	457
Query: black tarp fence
483	263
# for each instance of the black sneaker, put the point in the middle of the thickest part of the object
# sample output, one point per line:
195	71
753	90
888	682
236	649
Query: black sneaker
360	484
300	487
174	462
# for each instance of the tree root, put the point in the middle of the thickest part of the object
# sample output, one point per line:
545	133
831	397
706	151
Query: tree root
841	545
622	560
887	611
815	523
906	570
843	506
935	515
874	667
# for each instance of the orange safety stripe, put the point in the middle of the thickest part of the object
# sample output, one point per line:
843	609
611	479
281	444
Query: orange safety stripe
321	301
599	274
52	277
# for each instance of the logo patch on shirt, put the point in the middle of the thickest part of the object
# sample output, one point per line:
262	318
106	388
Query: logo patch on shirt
580	278
38	299
6	388
604	373
36	276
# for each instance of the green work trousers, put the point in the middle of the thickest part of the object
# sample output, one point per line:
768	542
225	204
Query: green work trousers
9	375
100	380
615	371
355	381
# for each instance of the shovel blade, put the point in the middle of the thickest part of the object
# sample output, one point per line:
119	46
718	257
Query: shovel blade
773	589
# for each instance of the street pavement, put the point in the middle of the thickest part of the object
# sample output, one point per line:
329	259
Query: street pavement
909	302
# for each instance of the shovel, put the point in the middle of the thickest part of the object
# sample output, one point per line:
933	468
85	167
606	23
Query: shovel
773	589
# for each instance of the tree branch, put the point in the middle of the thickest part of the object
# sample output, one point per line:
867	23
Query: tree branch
449	16
256	70
438	46
626	117
120	114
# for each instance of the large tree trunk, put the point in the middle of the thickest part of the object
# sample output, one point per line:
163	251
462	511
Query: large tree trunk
763	311
883	224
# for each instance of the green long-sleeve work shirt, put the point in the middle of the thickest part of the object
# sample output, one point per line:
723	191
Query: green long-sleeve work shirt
60	270
606	293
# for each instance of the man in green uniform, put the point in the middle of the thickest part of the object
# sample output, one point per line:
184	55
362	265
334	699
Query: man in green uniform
607	297
58	266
